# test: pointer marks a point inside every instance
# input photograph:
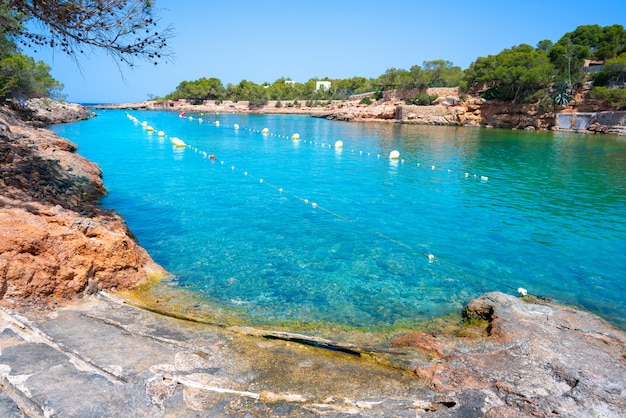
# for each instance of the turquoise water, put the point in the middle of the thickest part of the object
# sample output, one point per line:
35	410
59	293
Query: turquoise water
280	230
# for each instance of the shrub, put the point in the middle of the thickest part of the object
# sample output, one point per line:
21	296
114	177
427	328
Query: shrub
366	101
615	97
537	96
421	99
546	104
279	104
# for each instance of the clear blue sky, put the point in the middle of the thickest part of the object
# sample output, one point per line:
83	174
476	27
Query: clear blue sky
265	40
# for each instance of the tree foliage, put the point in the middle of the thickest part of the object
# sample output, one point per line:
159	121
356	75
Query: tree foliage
548	73
21	76
613	73
512	75
199	90
615	97
248	90
126	29
586	42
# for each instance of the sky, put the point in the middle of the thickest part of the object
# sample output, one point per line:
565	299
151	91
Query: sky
262	41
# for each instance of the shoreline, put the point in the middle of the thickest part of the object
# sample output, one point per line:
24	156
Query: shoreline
580	116
511	357
534	359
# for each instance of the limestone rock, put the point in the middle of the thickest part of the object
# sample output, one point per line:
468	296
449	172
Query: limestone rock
540	359
55	242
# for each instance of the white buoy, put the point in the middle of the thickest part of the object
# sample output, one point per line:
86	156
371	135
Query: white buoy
260	180
144	124
161	133
432	167
431	258
236	126
295	137
394	155
522	291
190	117
265	131
200	120
217	123
339	144
177	142
484	178
314	204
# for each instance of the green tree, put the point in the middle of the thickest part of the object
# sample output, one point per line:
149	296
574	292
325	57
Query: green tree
415	78
125	29
392	78
305	90
512	75
250	91
592	42
442	73
21	76
613	73
343	89
281	90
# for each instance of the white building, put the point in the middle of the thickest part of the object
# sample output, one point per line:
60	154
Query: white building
322	85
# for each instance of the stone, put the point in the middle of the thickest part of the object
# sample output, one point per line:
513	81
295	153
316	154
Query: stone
539	359
55	242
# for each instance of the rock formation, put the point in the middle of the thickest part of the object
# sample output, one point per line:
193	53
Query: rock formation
54	241
538	359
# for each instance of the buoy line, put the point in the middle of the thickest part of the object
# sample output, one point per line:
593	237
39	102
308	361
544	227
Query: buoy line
393	156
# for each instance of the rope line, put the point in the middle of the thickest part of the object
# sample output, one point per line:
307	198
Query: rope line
431	258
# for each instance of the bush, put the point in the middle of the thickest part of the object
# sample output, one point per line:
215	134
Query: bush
537	96
546	104
615	97
421	99
366	101
279	104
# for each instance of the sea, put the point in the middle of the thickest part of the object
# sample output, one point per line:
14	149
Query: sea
290	219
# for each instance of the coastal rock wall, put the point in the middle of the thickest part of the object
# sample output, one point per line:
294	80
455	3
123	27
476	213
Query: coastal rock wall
55	242
608	122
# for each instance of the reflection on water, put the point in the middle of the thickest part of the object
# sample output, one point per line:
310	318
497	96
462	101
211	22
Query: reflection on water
281	231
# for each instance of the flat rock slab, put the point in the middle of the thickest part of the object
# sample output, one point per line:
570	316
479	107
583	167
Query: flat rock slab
102	357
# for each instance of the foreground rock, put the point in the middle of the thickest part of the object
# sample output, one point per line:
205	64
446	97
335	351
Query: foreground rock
539	360
115	360
55	243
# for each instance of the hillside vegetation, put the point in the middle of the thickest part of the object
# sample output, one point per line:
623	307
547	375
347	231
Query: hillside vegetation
549	73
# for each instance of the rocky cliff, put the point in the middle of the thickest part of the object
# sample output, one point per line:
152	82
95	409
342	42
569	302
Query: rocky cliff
55	242
450	109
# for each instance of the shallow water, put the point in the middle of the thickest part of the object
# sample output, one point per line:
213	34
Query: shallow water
283	231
